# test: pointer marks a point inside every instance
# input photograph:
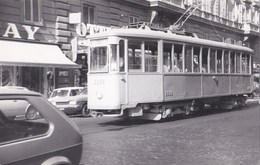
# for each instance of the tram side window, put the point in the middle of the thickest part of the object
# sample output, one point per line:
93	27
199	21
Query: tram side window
188	59
237	62
121	56
178	59
167	57
226	61
205	60
212	60
196	59
134	55
219	61
98	59
232	62
245	63
151	56
113	63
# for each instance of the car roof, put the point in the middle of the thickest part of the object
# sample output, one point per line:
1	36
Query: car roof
68	88
17	91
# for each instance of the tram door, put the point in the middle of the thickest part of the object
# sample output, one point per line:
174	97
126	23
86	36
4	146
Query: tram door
144	82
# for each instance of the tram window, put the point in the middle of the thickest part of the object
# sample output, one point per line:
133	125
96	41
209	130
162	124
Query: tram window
245	63
226	61
232	62
121	56
151	56
237	62
205	60
98	59
212	60
178	62
134	55
167	57
113	63
196	59
188	60
219	61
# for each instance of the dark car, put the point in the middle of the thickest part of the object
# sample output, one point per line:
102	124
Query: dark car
71	100
37	135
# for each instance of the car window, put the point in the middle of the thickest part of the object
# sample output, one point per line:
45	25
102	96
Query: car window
19	119
84	91
74	92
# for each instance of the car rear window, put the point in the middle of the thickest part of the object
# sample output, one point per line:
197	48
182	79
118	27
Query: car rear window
19	119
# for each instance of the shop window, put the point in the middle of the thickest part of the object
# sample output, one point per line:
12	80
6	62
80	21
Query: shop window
32	11
212	60
7	78
32	78
205	52
188	58
20	120
88	14
134	55
151	56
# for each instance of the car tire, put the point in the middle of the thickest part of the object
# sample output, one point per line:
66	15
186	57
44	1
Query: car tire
85	110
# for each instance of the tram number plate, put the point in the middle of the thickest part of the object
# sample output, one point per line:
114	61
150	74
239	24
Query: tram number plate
169	93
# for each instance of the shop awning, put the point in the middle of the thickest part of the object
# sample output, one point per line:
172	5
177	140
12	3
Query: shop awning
16	53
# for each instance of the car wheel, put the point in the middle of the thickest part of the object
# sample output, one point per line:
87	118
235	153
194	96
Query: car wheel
85	110
31	113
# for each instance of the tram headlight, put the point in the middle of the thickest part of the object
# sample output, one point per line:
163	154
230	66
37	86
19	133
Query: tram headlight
99	95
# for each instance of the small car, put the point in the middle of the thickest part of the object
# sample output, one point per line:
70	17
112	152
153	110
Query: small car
71	100
36	135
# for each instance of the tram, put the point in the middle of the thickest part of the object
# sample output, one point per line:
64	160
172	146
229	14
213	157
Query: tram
152	74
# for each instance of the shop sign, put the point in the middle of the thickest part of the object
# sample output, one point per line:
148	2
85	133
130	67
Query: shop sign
83	29
12	31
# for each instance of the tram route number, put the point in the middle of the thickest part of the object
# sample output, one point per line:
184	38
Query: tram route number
99	82
168	93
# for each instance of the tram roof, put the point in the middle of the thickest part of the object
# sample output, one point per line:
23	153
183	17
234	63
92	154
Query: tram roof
152	34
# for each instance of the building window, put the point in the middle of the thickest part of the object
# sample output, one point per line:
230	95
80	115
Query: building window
133	19
88	14
32	12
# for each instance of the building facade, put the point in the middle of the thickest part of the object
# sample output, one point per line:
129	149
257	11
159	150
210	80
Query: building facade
66	23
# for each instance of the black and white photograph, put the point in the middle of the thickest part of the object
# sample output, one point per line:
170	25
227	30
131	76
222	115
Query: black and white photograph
129	82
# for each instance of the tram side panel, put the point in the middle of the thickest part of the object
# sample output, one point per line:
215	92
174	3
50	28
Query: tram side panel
144	88
215	85
181	87
104	91
241	84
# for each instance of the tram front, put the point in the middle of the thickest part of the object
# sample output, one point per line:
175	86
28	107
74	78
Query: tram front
106	76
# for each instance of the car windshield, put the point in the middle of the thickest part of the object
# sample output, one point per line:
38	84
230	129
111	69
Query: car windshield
60	93
84	91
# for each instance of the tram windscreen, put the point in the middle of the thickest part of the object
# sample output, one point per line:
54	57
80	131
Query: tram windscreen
98	59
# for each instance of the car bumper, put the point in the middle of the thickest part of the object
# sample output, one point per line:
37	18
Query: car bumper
70	109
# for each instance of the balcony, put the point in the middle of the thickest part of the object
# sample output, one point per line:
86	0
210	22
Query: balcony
250	28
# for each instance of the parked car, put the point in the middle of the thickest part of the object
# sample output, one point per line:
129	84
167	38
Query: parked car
71	100
36	140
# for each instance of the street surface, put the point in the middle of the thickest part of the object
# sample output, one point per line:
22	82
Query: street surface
214	137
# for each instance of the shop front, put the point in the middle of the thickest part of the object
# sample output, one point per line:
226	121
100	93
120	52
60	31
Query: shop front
33	65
